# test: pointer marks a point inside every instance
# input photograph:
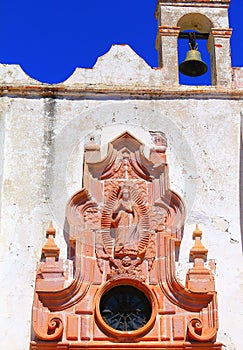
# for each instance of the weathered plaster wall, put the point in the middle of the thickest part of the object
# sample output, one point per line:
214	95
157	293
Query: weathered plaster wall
238	78
42	152
170	16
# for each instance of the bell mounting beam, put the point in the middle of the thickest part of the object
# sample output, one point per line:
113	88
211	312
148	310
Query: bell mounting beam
199	36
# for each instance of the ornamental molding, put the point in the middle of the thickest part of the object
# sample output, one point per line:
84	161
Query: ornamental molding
124	229
169	31
221	32
99	91
195	3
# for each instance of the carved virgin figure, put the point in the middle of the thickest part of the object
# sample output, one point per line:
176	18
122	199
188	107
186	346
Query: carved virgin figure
124	223
125	238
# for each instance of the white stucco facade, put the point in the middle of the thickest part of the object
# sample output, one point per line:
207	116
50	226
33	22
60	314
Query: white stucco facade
43	129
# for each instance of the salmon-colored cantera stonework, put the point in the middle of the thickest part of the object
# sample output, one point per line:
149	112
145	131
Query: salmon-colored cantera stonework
123	231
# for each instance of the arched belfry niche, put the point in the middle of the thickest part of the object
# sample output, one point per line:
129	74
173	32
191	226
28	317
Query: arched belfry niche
195	21
125	228
201	25
204	16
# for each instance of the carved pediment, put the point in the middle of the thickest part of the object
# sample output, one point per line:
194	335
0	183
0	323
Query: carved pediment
124	229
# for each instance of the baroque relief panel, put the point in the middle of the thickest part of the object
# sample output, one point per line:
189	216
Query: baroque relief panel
124	230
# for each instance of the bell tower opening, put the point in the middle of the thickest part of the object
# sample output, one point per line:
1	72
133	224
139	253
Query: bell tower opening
208	18
194	60
193	52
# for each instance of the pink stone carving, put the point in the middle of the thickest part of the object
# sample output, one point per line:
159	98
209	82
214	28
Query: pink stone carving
124	230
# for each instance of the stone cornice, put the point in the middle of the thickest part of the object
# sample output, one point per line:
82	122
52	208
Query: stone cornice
221	32
169	31
98	91
195	3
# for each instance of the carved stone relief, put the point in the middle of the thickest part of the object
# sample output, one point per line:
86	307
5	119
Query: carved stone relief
124	228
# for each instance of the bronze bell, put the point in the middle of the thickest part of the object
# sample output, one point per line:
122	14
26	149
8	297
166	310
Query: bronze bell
193	66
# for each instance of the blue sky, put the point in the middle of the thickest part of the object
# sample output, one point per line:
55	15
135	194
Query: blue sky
50	38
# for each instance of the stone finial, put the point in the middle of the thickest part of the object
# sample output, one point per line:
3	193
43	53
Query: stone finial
199	278
50	274
198	251
50	249
51	230
158	150
91	145
92	150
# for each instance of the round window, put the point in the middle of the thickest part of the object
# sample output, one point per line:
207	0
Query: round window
125	308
